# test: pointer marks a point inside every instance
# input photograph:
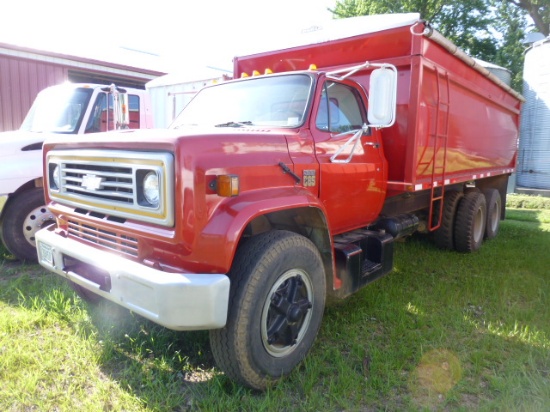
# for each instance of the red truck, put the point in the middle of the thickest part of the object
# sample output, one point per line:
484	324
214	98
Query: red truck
272	194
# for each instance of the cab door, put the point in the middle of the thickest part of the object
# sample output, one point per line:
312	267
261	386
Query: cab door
352	184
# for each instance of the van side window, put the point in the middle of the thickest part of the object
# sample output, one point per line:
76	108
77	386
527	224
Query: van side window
340	109
101	117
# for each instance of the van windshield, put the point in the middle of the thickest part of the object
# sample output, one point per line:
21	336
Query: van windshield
275	100
57	110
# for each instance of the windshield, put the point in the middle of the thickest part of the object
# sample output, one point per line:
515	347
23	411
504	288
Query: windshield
57	110
264	101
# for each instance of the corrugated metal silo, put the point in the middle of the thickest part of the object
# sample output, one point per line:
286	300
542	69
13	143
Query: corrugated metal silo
533	169
503	74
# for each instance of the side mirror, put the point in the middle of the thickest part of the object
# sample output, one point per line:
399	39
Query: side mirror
121	109
382	96
123	112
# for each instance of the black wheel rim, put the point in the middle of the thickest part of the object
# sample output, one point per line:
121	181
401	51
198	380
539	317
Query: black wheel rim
286	314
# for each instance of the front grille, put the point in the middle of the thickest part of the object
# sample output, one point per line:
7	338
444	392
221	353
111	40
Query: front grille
106	238
111	182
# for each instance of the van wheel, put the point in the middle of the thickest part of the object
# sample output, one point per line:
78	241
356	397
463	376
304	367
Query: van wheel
494	210
276	304
444	236
470	222
25	215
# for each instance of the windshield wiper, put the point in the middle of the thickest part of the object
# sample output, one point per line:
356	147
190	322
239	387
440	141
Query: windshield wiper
234	124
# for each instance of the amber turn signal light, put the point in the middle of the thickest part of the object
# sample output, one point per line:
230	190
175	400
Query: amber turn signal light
226	185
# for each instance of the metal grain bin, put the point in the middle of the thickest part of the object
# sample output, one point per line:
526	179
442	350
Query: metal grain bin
533	169
503	74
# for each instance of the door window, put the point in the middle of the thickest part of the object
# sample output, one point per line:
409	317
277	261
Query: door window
101	117
341	109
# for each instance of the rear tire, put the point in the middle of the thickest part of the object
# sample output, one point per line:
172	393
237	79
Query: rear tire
276	304
494	212
444	236
470	222
25	215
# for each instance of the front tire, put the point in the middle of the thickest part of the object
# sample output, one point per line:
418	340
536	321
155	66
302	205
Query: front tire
24	216
276	305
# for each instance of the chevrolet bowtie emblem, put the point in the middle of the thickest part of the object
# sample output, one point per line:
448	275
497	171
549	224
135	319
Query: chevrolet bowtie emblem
92	182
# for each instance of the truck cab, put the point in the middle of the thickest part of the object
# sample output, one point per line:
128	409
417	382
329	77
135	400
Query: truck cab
67	109
343	138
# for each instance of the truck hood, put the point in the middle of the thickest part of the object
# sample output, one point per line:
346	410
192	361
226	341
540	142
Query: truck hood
20	159
11	143
163	139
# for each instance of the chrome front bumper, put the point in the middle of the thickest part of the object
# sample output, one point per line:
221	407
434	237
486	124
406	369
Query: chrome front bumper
178	301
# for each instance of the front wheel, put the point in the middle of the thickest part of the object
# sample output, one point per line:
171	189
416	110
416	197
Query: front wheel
25	215
276	305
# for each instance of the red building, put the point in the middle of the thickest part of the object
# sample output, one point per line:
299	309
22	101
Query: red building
25	71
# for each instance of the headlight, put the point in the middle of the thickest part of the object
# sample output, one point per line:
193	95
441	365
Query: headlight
55	176
151	188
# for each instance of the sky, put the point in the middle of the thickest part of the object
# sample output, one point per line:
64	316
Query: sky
167	35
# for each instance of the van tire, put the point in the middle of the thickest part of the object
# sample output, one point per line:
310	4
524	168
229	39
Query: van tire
25	214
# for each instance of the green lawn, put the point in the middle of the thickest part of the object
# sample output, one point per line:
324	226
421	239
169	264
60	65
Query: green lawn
444	331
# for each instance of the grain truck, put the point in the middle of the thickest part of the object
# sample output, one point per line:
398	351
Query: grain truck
285	188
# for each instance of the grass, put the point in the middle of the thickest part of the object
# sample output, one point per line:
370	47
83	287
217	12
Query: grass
444	331
518	201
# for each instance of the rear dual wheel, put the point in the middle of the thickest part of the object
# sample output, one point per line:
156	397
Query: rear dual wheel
444	236
470	222
468	218
276	304
494	212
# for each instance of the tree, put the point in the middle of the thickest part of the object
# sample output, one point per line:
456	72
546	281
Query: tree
538	10
511	23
